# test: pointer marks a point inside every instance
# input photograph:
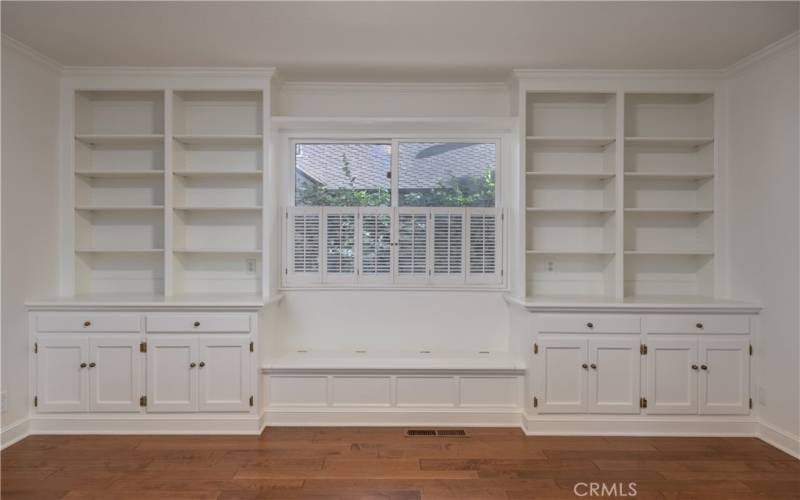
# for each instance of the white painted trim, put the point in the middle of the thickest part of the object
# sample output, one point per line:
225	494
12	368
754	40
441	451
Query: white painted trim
640	425
593	74
778	438
370	417
168	71
144	424
15	432
761	54
299	87
621	306
37	56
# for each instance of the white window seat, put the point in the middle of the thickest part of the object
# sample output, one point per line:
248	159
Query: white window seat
484	362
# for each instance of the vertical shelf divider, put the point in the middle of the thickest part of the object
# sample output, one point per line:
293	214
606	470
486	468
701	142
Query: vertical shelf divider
169	285
619	246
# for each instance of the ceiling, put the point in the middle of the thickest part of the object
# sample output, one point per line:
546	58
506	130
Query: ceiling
400	40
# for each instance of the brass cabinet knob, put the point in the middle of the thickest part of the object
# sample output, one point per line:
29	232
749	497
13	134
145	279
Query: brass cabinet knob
196	324
87	324
192	364
590	325
694	367
202	364
92	364
83	365
594	366
699	325
585	366
703	367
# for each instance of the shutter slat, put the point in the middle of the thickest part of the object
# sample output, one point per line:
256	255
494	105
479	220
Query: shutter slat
484	246
376	251
340	245
304	235
448	246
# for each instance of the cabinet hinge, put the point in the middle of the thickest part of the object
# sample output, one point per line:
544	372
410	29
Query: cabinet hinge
535	348
251	400
142	346
750	403
751	352
252	347
643	349
535	402
143	401
642	402
36	348
36	401
286	271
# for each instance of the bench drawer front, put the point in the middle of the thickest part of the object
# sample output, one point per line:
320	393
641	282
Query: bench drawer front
217	323
588	323
698	324
89	322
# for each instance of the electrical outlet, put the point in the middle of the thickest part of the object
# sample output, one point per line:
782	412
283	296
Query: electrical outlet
762	395
251	266
3	401
550	265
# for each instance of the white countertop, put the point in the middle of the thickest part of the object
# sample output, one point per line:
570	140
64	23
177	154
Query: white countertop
143	301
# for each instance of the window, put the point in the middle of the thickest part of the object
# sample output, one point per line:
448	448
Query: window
405	213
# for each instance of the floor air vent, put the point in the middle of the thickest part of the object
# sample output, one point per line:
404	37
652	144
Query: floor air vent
436	433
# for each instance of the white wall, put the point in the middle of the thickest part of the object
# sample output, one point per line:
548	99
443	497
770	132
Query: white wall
764	225
29	210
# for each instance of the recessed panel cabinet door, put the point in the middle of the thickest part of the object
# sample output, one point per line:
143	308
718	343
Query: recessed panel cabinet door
172	374
115	373
62	378
672	369
224	373
724	376
560	376
614	376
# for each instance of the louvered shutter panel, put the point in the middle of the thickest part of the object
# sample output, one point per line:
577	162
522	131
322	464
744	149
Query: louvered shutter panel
412	245
484	230
304	235
339	251
375	236
447	235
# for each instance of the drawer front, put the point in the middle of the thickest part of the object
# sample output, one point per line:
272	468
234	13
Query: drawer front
89	322
217	323
698	324
588	323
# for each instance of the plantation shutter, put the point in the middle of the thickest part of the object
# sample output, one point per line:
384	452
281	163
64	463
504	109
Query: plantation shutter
484	229
375	234
339	254
448	245
304	235
412	245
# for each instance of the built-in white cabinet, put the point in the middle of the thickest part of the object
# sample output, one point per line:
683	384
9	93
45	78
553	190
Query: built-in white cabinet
115	373
672	372
171	374
61	380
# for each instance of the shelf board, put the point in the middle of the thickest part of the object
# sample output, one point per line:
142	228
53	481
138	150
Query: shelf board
572	175
669	211
111	208
573	141
119	250
217	208
689	253
246	251
119	139
684	142
223	140
689	176
569	252
120	174
570	210
218	173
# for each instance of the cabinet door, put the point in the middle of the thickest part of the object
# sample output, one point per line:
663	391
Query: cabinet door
724	376
171	378
560	376
614	375
671	378
224	373
61	381
115	373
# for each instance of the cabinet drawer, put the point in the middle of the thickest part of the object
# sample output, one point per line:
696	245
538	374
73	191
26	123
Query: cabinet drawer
239	323
698	324
588	323
89	322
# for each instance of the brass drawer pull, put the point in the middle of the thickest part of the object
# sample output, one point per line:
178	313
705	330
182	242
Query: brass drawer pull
192	364
83	365
196	324
87	324
585	366
92	364
202	364
590	325
694	367
594	366
699	325
703	367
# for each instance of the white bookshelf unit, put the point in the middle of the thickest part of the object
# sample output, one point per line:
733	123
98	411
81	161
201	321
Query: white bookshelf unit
169	191
619	194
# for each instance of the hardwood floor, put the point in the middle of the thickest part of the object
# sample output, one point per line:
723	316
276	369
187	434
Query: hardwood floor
380	463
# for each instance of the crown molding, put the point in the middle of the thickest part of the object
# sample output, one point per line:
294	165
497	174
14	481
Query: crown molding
619	74
299	87
762	54
167	71
50	64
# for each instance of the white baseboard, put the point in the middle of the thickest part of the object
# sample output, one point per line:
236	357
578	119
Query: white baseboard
596	425
780	439
15	432
389	418
145	424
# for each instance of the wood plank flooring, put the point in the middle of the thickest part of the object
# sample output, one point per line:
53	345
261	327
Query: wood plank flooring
380	463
